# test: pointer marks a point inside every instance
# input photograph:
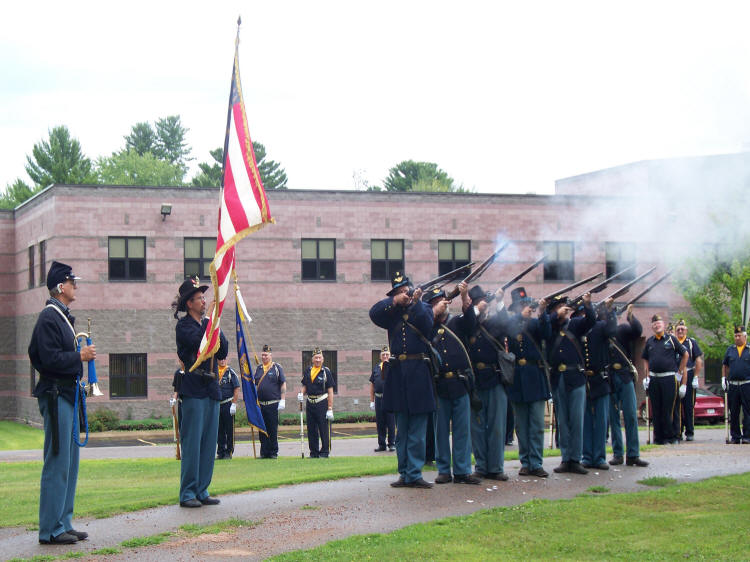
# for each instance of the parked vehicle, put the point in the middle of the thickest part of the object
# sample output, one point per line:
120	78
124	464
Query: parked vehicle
709	407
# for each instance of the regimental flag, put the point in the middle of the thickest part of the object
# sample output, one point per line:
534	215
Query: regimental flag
745	304
243	208
249	392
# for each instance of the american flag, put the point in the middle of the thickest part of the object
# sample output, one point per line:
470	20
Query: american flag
243	208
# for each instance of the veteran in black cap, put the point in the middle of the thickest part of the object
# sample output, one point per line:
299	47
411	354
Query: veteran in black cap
385	422
686	419
408	389
53	354
666	362
271	384
200	395
736	382
317	383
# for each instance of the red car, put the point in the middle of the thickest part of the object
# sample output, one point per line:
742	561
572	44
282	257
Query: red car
708	407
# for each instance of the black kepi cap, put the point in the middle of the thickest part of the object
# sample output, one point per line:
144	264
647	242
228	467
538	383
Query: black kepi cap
59	273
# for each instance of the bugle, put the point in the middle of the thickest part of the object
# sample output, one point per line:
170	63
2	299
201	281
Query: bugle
92	385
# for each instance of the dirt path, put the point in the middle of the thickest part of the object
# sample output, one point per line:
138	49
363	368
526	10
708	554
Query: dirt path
306	515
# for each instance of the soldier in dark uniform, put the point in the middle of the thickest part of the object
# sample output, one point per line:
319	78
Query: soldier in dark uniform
665	359
53	354
530	390
271	384
317	383
736	381
595	344
408	390
229	385
622	376
454	384
384	421
200	395
694	368
488	431
568	379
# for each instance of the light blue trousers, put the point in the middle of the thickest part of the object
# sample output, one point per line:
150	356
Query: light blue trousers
622	400
455	413
595	430
529	420
411	438
569	406
199	428
488	430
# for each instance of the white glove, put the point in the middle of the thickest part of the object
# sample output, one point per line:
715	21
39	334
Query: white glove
645	383
329	414
724	384
683	391
695	382
372	406
233	409
300	397
172	401
282	404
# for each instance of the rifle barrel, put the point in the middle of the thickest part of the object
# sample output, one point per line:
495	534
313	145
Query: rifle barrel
478	271
625	288
573	286
523	273
647	289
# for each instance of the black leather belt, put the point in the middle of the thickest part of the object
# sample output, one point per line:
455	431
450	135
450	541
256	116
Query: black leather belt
522	362
482	366
562	367
408	357
67	383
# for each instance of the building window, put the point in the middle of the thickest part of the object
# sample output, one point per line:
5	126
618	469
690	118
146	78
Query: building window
375	358
32	283
558	261
42	262
127	375
318	259
453	254
329	360
387	257
199	252
620	256
127	259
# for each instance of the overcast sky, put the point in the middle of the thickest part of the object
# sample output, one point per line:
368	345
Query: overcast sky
505	97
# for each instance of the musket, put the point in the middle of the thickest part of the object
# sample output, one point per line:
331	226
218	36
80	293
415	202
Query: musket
599	287
625	288
477	272
176	431
523	273
573	286
444	278
644	291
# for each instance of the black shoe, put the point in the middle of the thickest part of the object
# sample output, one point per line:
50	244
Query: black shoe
563	467
208	500
614	461
380	449
540	472
80	535
62	538
274	457
745	441
576	468
443	479
194	502
400	483
497	476
587	465
689	438
219	457
603	466
391	447
524	471
636	461
735	442
479	474
421	483
466	479
509	443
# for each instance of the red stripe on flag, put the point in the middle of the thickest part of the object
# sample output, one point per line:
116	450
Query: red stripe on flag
243	135
232	202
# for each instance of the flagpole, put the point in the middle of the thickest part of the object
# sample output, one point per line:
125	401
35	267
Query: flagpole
252	434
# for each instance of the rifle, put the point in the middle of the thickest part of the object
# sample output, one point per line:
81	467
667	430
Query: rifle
599	287
176	432
444	278
572	286
477	272
644	292
523	273
625	288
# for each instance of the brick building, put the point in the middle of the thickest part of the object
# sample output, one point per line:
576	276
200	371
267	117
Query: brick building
308	280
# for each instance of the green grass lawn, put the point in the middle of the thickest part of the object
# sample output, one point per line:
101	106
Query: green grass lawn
106	487
17	436
702	521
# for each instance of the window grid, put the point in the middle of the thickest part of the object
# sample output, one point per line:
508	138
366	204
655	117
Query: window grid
318	259
386	258
32	268
453	254
199	252
128	375
619	256
559	262
42	262
127	258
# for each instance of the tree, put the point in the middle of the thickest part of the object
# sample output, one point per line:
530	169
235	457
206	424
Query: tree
127	167
272	174
420	176
58	160
142	139
15	194
170	141
715	303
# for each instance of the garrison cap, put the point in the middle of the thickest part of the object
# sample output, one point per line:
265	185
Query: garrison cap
266	348
317	351
680	323
59	273
656	318
739	329
385	349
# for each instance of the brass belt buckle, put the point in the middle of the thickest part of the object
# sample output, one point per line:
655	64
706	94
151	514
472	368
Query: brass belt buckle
449	375
481	366
589	373
402	357
617	366
562	367
522	362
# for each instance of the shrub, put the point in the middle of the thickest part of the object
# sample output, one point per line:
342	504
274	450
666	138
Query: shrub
103	420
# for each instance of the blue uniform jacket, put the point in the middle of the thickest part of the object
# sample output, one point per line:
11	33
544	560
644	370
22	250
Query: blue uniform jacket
376	378
663	354
562	350
483	351
622	349
595	344
525	337
739	366
408	384
188	334
52	351
270	388
455	369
